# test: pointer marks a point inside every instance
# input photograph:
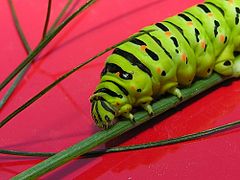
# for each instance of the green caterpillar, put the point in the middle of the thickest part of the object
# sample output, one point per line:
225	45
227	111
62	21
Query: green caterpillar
168	55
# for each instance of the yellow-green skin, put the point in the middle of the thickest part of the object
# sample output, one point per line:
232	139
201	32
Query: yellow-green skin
169	55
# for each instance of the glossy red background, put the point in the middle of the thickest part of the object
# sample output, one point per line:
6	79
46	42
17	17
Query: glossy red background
61	118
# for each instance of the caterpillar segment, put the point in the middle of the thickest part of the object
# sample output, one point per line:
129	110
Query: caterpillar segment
167	56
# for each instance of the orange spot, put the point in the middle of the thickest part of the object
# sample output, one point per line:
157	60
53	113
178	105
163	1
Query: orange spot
133	88
231	1
183	57
190	23
143	47
158	70
203	44
117	74
168	33
210	14
222	38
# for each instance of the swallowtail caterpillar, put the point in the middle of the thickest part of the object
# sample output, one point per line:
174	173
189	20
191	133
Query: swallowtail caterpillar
168	55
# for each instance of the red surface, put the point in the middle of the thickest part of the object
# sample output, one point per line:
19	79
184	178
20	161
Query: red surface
61	118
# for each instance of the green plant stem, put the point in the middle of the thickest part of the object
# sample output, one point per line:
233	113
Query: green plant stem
13	86
94	153
61	78
27	48
47	19
65	8
121	127
18	27
26	153
43	43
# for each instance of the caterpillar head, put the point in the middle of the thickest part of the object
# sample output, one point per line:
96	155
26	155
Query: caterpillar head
103	112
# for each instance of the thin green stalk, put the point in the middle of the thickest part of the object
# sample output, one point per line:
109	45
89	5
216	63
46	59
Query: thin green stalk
61	78
27	48
65	8
18	27
13	86
171	141
121	127
26	153
43	43
47	19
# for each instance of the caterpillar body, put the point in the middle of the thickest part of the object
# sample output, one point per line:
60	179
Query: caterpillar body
168	55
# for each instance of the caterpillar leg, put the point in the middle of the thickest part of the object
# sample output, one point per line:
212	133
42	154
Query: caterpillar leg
129	116
148	108
236	66
229	67
144	102
225	68
125	112
224	63
176	92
